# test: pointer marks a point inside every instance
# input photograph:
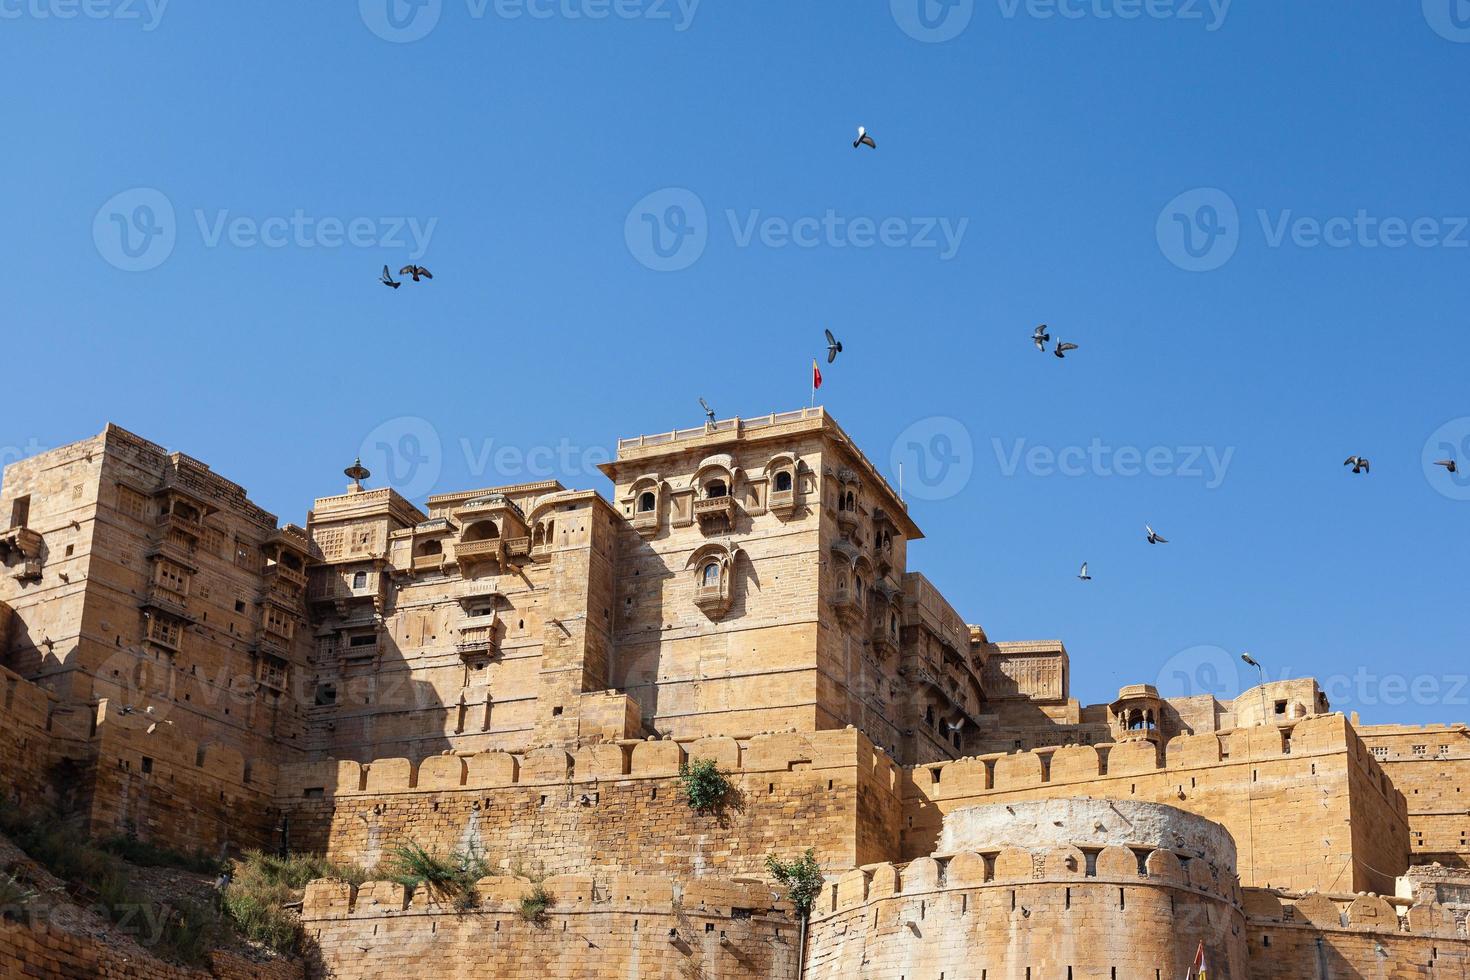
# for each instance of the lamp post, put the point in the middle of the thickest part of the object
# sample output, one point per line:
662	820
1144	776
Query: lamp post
1262	686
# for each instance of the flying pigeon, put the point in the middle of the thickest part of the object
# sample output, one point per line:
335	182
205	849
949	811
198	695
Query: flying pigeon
417	271
955	726
1449	464
834	347
709	413
1358	463
864	139
388	280
1083	574
1040	337
1154	537
1062	349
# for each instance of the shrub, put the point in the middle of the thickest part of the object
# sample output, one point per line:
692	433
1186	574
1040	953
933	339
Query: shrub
534	904
705	787
450	880
802	879
14	895
264	884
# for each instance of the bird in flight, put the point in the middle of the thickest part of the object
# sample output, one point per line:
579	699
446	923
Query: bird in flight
1154	537
864	139
955	726
387	279
417	271
1040	338
834	347
1449	464
1083	574
1358	463
1062	349
709	413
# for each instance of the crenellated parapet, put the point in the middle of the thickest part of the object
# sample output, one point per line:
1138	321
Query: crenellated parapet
1285	793
1125	889
603	925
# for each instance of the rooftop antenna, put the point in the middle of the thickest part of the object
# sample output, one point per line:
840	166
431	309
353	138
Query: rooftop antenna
356	473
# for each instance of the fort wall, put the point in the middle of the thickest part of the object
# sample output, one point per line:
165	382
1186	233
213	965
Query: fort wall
1308	937
612	805
1308	805
617	926
1430	765
1054	912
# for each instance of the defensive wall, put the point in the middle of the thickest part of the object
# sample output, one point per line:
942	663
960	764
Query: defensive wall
626	926
1307	804
614	805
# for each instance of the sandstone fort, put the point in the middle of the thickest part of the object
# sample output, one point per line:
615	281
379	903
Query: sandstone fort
522	671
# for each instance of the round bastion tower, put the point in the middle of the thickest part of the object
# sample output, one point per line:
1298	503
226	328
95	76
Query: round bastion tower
1046	890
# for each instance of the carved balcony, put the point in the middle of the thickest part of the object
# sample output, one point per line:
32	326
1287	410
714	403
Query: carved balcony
884	639
181	524
284	574
517	550
715	513
20	541
490	549
646	523
845	604
847	521
713	600
477	642
168	600
782	503
541	552
29	570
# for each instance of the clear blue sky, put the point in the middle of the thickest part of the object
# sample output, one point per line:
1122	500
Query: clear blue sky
1056	144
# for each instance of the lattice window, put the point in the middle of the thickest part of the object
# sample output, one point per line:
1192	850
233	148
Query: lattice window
172	577
330	541
246	556
327	646
213	541
132	503
273	672
163	630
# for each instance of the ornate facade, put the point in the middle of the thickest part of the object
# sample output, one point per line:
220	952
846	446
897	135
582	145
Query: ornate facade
525	668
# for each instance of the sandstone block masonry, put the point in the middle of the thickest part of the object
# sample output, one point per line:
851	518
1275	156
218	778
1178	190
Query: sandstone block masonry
522	670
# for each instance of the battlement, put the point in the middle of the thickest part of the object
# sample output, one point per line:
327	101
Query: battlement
1080	764
626	759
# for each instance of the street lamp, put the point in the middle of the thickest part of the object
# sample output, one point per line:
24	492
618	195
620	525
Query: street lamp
1262	687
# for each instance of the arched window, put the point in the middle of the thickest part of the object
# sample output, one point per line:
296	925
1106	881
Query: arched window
715	489
647	502
783	482
892	624
858	586
481	531
711	577
842	583
851	501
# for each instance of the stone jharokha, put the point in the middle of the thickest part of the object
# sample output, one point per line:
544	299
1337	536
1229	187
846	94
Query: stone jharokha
524	670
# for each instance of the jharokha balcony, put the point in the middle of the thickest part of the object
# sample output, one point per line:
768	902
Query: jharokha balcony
488	549
715	512
477	641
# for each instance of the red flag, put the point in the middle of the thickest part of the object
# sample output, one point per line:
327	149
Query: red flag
816	375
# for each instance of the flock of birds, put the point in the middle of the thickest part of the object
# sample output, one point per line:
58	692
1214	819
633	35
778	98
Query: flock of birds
1040	337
